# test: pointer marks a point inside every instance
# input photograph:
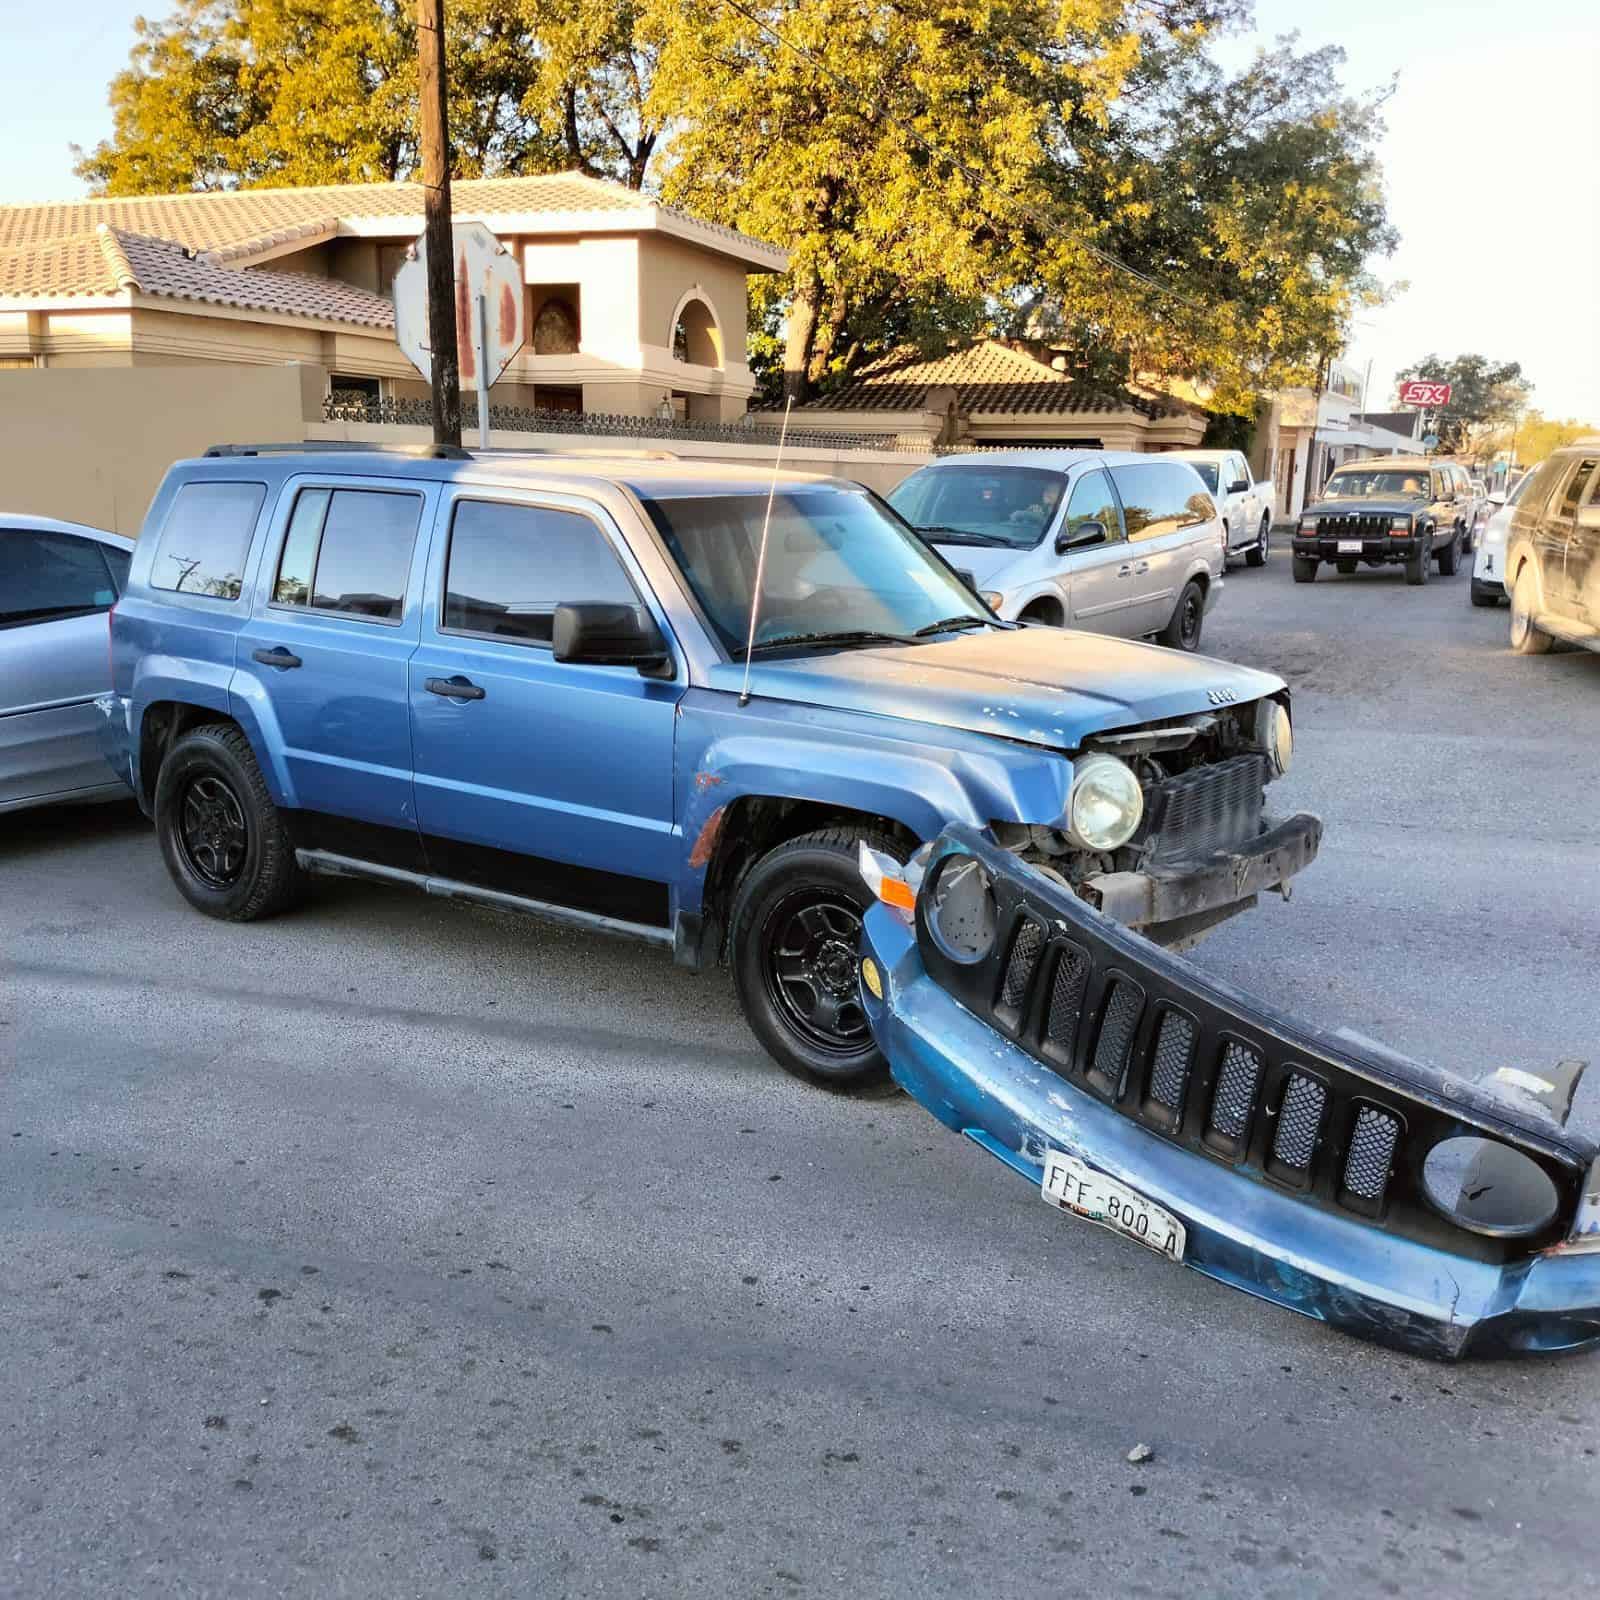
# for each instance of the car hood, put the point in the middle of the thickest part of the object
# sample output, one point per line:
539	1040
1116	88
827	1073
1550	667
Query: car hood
1376	505
1044	686
982	562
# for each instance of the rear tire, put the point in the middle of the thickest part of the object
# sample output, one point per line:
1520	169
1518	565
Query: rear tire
221	836
1450	557
1305	569
1183	628
794	939
1257	555
1526	639
1484	594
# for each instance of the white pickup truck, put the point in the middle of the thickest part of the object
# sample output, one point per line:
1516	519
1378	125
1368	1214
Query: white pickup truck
1246	505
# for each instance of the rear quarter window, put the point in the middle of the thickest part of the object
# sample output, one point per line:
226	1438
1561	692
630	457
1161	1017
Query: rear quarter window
1161	497
207	538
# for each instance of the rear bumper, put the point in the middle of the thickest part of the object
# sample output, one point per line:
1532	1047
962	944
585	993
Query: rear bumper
116	734
1336	1270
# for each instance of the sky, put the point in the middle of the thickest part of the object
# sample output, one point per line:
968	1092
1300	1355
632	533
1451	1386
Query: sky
1490	164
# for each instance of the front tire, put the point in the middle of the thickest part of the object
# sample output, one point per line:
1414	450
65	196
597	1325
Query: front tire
1526	639
221	836
1183	628
1450	556
1257	555
794	936
1305	569
1484	594
1417	567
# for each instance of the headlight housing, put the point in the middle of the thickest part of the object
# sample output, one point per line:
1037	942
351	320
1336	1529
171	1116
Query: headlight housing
1275	735
1106	804
993	598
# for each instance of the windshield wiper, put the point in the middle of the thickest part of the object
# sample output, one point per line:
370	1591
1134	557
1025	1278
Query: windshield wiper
844	636
964	535
950	624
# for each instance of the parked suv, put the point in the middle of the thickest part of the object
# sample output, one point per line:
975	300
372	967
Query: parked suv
1246	504
1097	539
1397	510
1552	564
529	682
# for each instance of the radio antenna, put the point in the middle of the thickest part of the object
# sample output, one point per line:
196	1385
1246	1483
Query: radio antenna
761	557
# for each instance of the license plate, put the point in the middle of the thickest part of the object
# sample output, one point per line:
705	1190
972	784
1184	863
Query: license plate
1072	1186
1349	547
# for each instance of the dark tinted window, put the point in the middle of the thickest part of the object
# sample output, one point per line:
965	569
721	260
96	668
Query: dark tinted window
350	551
511	566
45	575
206	539
117	559
1576	484
1161	497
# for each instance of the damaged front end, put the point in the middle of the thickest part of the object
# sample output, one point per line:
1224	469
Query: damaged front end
1314	1169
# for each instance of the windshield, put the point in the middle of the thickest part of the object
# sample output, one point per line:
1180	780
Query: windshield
1208	473
837	564
981	505
1370	483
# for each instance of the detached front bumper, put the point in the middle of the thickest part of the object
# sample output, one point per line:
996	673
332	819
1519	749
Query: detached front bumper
1377	1264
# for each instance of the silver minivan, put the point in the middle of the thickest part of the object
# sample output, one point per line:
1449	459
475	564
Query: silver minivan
1105	540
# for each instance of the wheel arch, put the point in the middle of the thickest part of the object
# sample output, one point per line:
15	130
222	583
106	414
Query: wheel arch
161	725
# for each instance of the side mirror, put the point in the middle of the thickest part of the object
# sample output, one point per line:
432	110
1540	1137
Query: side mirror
1081	537
603	634
1239	486
1589	517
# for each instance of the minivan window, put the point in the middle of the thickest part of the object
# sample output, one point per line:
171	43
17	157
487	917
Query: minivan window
980	505
1093	501
206	539
1161	497
349	550
45	576
510	566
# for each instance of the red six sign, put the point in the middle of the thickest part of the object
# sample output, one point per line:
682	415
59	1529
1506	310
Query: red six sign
1419	392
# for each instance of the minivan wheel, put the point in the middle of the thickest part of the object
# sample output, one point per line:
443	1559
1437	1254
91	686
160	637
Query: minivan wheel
221	836
1182	631
794	943
1526	639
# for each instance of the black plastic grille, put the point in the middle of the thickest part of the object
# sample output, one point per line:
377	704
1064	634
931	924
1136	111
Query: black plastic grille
1299	1122
1372	1142
1025	950
1362	525
1236	1090
1169	1074
1206	809
1119	1022
1066	995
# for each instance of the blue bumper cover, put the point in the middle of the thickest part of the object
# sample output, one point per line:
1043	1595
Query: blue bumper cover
1346	1271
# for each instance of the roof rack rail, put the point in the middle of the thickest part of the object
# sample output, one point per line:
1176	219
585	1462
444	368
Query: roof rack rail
437	452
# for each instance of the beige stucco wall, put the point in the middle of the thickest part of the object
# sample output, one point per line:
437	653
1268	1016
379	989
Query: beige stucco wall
91	445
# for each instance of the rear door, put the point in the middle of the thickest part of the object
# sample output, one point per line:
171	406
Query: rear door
55	591
1565	548
546	779
1098	577
1166	508
324	656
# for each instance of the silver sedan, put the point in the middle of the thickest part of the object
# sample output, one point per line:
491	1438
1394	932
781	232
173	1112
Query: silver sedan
58	580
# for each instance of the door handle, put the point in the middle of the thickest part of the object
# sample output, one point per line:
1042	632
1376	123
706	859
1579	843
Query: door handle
276	657
1125	571
456	688
1144	566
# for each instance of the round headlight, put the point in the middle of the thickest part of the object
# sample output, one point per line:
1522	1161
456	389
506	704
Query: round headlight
994	599
961	911
1106	805
1275	735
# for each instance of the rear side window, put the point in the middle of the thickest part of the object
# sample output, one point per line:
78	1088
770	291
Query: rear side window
1576	484
510	567
206	539
44	576
349	550
1160	497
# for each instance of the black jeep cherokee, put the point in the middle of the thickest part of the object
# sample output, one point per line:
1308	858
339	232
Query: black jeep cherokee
1403	509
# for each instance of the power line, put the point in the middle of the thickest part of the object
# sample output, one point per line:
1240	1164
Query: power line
977	178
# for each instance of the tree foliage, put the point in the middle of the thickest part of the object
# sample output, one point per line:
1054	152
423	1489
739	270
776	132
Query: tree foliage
1527	438
1485	396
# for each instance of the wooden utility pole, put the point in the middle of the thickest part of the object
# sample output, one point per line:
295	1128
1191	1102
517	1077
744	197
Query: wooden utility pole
446	385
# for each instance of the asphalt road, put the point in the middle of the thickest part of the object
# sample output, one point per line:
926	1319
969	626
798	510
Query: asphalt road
396	1249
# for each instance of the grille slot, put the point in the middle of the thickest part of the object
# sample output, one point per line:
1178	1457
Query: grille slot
1367	1162
1066	996
1299	1122
1025	950
1119	1024
1205	810
1235	1096
1174	1056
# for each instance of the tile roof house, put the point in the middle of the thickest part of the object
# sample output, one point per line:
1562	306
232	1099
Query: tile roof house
995	392
632	304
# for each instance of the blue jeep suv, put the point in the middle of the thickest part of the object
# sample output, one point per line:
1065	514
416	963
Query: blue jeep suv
534	682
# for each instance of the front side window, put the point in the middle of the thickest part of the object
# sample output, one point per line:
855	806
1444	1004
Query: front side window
1576	484
349	550
206	539
47	576
980	505
1093	501
836	563
1161	497
510	566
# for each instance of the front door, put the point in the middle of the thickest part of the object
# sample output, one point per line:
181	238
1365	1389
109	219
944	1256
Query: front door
324	654
1098	577
546	779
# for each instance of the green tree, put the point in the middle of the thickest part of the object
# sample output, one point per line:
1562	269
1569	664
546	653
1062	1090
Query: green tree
1485	395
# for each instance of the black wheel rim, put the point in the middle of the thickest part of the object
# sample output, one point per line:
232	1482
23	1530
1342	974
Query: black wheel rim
1189	621
212	831
809	961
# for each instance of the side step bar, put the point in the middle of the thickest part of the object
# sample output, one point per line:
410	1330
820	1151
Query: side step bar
325	863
